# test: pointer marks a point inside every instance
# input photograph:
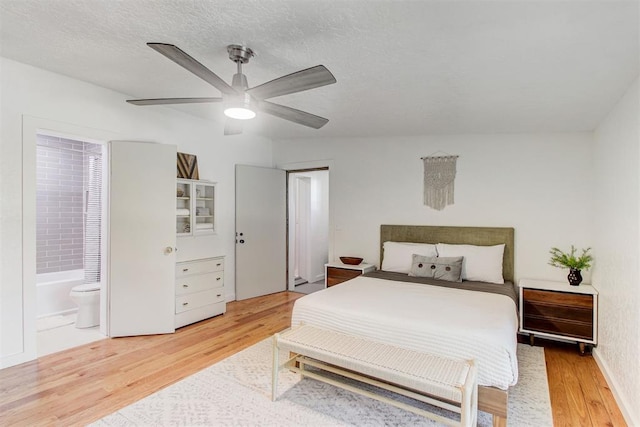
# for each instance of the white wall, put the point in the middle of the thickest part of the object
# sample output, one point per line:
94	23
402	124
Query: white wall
617	240
538	184
37	96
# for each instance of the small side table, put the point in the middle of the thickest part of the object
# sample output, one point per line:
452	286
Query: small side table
559	310
337	272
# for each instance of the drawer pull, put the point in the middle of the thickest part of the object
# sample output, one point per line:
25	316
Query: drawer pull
219	295
185	303
185	286
218	265
185	269
217	278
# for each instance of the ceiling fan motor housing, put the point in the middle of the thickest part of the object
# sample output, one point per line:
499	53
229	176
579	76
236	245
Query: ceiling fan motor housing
239	82
239	54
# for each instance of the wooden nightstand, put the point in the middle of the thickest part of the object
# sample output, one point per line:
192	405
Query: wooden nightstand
337	272
559	310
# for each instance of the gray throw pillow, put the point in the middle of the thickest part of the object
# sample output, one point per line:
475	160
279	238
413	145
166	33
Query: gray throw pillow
441	268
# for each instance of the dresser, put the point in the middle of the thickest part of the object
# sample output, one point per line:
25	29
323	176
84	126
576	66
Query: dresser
199	290
337	272
559	310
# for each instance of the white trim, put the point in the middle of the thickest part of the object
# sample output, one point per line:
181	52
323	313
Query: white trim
31	126
316	164
621	400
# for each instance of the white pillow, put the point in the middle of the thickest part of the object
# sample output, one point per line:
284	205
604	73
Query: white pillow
398	256
480	263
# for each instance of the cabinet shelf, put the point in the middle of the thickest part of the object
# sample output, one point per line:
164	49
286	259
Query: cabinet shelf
198	197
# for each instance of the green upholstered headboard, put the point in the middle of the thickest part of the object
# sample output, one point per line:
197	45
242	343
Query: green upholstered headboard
481	236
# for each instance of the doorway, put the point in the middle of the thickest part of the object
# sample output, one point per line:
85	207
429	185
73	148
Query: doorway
69	238
308	228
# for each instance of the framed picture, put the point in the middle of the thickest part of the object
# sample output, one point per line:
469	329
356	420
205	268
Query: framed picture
187	166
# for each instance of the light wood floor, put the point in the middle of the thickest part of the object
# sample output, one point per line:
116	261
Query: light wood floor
81	385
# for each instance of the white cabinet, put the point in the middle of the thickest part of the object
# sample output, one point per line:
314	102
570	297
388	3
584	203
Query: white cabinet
195	207
199	290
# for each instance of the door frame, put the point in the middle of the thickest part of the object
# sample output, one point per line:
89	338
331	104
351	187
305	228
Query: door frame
26	309
312	166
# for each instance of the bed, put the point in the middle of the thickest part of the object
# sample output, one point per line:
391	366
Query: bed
462	320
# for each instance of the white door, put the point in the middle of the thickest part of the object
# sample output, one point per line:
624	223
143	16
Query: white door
260	231
141	290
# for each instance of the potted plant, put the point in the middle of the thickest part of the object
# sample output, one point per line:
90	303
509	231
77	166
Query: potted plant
572	262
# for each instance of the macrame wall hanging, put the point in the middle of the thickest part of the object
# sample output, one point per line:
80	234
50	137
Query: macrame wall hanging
439	177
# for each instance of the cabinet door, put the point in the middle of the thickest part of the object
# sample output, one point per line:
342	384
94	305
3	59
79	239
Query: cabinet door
183	207
142	197
204	208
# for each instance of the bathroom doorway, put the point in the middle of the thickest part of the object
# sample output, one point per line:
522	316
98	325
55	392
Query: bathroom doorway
308	228
70	205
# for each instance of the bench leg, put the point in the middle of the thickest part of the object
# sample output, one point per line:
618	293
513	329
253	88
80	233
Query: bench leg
469	404
276	367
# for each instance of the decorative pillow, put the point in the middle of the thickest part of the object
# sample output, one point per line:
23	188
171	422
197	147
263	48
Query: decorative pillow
397	256
481	263
449	269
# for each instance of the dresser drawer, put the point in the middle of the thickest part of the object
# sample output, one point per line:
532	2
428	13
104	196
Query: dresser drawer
199	267
558	298
198	299
199	282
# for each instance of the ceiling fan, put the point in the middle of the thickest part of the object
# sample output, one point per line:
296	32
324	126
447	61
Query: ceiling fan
241	102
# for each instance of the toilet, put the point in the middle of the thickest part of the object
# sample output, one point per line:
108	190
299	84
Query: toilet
87	298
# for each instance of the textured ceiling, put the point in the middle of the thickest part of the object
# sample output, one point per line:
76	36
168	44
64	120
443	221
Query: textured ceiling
403	67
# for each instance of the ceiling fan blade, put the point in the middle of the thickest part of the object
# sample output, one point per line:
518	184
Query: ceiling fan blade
162	101
293	115
296	82
232	126
181	58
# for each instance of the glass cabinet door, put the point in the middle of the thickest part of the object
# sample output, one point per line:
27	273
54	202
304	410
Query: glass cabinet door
183	207
204	208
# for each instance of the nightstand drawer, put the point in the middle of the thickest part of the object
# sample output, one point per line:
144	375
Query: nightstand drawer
556	311
562	327
559	298
339	275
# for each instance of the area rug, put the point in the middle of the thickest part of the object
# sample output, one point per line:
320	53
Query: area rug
237	392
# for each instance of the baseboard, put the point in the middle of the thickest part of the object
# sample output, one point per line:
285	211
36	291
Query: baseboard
622	402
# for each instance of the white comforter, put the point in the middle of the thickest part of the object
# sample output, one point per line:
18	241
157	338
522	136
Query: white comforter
444	321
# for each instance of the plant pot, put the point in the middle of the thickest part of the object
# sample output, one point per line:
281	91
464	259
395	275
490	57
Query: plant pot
574	277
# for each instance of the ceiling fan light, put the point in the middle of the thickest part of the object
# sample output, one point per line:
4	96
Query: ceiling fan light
239	107
240	113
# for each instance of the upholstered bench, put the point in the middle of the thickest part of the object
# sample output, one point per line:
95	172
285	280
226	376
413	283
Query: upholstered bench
447	383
